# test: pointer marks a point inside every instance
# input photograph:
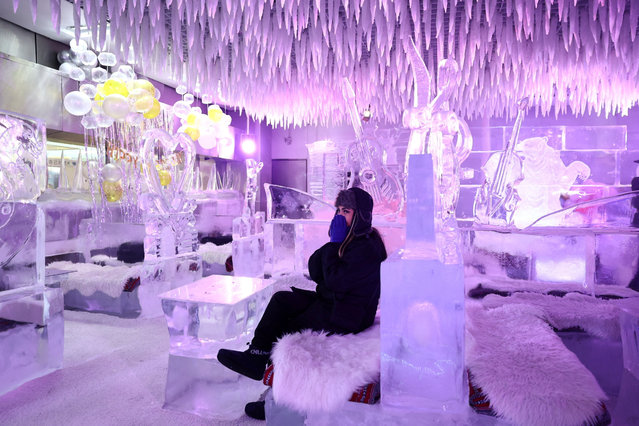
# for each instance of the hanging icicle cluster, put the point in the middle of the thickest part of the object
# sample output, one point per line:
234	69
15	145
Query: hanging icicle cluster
283	60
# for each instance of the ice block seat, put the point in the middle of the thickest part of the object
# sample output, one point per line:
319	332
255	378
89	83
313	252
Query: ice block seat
110	288
31	335
215	258
202	317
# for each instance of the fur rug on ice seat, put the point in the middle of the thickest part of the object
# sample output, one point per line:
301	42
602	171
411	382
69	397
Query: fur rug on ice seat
530	377
523	367
316	372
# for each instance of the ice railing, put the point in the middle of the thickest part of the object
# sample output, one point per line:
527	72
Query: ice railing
615	211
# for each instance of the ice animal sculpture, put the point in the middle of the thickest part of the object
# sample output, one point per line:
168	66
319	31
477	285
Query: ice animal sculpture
496	199
31	315
546	177
366	159
440	132
248	229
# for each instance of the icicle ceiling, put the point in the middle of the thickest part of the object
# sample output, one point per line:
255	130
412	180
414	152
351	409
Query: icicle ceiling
283	60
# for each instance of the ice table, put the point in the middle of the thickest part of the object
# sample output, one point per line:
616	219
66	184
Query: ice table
218	311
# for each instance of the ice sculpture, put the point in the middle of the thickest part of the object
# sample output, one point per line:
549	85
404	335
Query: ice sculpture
440	132
326	174
496	199
366	158
546	178
169	218
248	229
31	315
422	306
171	243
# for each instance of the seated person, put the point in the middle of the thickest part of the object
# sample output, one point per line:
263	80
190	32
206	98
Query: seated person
347	273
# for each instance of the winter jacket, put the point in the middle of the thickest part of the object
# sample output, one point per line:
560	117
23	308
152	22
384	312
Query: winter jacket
350	284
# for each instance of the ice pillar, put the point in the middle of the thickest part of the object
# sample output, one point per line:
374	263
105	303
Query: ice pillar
422	308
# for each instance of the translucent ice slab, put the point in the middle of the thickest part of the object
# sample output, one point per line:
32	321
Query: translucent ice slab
31	335
204	387
289	203
584	257
214	310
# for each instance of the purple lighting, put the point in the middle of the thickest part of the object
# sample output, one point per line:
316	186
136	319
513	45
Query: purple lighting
248	145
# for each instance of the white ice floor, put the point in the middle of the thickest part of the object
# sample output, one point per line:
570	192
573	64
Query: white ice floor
115	372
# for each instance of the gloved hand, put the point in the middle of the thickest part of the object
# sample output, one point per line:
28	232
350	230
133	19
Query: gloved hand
338	229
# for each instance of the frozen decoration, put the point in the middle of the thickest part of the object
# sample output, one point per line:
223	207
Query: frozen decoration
326	172
422	361
365	159
248	229
440	132
586	49
497	198
169	211
31	315
545	179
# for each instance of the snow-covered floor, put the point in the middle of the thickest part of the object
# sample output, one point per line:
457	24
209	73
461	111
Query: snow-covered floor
115	371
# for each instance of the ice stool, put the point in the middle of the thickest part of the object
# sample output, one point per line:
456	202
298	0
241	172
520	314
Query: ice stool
218	311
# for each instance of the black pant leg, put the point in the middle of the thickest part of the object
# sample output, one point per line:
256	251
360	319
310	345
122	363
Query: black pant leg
283	307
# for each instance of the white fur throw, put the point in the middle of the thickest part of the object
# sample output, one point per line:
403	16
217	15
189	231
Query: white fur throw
316	372
530	377
212	253
88	278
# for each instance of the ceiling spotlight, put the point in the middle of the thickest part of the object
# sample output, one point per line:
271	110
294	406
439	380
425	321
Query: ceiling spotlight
248	145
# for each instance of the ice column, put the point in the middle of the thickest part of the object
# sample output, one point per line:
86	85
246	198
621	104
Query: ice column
31	314
170	245
422	306
248	230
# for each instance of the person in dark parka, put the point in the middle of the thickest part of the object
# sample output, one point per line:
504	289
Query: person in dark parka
347	273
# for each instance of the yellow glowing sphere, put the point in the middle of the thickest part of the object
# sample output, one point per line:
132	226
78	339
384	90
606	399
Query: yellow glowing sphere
165	177
115	87
112	191
193	132
191	118
145	85
144	103
154	111
215	113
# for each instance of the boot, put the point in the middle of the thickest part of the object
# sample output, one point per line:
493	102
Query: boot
255	410
250	363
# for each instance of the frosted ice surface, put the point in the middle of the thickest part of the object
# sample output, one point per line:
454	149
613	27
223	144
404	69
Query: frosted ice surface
215	309
291	203
248	245
422	362
204	387
31	335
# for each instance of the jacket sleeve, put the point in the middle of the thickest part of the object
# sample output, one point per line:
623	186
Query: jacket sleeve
341	275
315	269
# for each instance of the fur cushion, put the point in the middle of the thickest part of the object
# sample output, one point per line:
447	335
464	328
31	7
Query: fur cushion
525	369
317	372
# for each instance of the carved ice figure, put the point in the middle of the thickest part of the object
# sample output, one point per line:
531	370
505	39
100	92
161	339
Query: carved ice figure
440	132
366	160
253	168
32	331
496	199
170	224
248	230
546	177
